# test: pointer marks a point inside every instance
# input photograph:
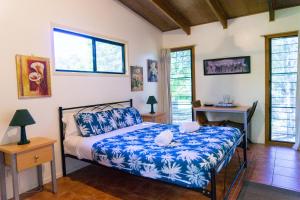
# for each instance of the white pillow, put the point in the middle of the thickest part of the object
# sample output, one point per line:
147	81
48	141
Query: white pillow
188	127
70	124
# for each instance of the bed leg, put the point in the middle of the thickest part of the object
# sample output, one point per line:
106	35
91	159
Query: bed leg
213	185
61	129
64	166
245	149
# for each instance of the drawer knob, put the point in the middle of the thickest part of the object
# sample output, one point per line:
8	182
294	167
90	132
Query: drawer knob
36	157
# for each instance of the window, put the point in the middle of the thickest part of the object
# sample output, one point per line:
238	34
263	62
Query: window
181	83
283	53
75	52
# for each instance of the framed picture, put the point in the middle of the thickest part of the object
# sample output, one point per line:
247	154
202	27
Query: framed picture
137	82
233	65
33	76
152	70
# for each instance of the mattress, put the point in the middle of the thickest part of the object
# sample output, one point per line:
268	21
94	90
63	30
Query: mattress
81	147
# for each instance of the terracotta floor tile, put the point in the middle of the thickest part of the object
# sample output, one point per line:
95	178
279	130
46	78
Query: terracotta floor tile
262	180
285	171
287	163
264	162
284	149
265	156
286	182
288	156
261	176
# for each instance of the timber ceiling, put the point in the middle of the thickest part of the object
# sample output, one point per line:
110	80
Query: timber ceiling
168	15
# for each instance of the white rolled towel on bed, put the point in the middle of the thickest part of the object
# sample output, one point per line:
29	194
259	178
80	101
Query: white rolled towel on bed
164	138
188	127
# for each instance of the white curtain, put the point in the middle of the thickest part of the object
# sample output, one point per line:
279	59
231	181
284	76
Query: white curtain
297	144
165	92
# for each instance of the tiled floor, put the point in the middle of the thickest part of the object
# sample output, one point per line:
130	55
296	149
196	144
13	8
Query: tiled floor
275	166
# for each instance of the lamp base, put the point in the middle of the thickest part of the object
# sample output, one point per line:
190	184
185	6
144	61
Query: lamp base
23	137
152	109
23	142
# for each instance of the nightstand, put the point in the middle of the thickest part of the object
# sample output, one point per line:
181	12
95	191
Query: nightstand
158	117
20	157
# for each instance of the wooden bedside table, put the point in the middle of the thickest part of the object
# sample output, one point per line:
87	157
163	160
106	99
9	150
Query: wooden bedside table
20	157
157	117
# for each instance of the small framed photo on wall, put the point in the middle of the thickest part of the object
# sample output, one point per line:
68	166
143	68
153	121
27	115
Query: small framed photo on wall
152	67
33	76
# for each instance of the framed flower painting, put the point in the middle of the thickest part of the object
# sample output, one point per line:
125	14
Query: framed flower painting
137	81
33	76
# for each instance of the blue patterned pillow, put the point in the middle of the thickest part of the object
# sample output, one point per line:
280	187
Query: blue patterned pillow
88	124
106	121
126	117
137	116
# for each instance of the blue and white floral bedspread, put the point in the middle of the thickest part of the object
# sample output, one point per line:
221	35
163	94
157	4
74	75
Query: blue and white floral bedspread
186	162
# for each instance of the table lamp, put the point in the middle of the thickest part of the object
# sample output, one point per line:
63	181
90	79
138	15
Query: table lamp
151	100
22	118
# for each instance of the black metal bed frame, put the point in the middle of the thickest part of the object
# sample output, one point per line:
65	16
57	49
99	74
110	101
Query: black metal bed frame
212	193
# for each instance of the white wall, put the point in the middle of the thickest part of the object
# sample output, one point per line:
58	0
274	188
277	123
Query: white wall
242	38
26	29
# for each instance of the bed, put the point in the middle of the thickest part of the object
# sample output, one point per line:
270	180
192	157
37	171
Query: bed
192	160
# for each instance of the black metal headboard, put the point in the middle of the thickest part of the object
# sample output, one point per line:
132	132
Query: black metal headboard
80	108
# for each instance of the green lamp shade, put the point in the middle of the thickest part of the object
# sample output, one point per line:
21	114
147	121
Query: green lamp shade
22	117
151	100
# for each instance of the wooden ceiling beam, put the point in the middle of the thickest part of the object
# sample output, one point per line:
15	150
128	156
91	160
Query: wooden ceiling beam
173	14
219	11
271	4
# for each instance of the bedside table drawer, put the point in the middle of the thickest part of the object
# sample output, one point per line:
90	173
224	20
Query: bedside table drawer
33	158
156	117
161	119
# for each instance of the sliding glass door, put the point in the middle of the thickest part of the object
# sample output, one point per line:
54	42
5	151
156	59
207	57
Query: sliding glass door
283	82
181	82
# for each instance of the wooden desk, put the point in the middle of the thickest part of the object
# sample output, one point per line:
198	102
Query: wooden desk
239	109
20	157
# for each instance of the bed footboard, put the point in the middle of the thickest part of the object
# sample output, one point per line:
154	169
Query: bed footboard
214	171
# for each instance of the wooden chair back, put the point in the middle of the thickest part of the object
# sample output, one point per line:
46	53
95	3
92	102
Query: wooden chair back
201	116
196	103
252	110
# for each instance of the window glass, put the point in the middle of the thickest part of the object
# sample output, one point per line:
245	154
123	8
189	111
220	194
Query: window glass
72	52
77	52
109	57
181	85
284	55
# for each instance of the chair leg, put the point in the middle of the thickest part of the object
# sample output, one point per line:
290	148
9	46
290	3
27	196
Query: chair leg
250	134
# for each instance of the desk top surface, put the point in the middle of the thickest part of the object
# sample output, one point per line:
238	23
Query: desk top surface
237	109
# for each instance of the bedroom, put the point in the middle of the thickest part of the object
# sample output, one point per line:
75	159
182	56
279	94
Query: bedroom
29	31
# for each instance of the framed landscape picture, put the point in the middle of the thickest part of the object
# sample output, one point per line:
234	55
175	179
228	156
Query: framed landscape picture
137	82
33	76
232	65
152	70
